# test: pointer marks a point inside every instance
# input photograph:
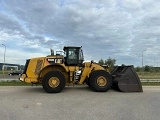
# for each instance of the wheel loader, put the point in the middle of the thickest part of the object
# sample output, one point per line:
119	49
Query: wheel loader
58	69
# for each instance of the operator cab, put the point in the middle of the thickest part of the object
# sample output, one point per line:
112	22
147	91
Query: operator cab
73	56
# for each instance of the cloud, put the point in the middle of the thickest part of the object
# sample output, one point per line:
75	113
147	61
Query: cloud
116	29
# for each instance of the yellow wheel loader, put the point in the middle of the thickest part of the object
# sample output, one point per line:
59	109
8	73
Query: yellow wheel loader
56	70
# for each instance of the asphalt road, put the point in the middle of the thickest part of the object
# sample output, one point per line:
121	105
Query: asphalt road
78	103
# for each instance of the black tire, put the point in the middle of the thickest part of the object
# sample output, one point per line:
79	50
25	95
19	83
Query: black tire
51	77
87	82
100	81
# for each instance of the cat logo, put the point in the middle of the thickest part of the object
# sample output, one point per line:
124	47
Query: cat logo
55	60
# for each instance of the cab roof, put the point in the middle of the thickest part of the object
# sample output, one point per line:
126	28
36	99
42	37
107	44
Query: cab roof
65	47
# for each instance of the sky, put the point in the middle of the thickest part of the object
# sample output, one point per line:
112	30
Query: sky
124	30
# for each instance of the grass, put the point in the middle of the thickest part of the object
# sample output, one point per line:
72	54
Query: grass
5	72
150	84
14	83
19	83
149	75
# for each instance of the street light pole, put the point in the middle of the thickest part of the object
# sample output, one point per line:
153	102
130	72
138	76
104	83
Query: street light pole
142	60
4	58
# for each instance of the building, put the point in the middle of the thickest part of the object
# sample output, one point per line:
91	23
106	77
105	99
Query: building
8	66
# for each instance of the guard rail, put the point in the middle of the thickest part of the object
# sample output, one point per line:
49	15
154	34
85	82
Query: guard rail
150	80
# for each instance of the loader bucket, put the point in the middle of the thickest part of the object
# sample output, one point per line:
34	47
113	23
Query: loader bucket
125	79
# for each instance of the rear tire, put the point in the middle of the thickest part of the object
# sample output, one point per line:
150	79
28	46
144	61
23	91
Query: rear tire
53	82
100	81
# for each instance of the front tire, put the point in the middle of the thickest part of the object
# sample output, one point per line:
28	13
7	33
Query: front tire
100	81
88	82
53	82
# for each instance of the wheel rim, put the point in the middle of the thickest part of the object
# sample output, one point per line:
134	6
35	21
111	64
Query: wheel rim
101	81
53	82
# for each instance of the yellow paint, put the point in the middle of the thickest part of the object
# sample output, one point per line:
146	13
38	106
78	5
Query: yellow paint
38	67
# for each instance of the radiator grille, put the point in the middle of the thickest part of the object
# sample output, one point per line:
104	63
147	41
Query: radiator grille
38	66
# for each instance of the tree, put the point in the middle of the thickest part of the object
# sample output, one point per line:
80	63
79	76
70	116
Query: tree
101	62
147	68
110	62
138	69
